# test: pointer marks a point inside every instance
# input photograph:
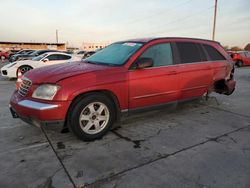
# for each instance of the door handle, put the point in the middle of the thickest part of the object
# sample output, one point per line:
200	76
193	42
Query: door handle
172	72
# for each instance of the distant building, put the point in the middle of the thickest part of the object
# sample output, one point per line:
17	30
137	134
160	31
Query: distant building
31	45
72	49
93	46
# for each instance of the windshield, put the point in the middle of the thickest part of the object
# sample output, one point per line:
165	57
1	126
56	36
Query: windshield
38	58
115	54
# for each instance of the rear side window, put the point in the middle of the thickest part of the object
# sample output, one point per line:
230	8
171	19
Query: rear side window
190	52
160	53
213	53
63	57
57	57
243	54
247	54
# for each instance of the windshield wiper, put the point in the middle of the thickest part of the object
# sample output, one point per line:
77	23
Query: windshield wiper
90	62
100	63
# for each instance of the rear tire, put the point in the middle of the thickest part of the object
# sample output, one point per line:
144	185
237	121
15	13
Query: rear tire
91	117
239	63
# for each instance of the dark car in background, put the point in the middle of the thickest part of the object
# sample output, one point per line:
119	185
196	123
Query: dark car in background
27	56
14	55
13	52
89	53
84	54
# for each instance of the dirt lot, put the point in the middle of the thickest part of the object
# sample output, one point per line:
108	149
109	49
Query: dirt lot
199	144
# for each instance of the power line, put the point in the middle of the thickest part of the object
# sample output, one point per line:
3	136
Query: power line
179	20
158	13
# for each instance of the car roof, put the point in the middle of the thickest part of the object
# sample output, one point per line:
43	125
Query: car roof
146	40
62	53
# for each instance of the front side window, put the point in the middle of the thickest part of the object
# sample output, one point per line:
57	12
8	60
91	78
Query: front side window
53	57
161	54
63	57
38	58
115	54
189	52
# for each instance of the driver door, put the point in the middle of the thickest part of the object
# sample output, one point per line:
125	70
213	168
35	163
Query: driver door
154	85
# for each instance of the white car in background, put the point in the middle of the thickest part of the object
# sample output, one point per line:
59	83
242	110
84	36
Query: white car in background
50	58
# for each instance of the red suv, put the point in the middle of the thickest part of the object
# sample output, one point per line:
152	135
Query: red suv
241	58
89	96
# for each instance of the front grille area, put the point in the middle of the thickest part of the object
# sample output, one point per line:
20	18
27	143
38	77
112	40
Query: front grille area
4	72
25	85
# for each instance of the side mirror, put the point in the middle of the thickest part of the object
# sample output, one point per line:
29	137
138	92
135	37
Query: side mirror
45	60
144	62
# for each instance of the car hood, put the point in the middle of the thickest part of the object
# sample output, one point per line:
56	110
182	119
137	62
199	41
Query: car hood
55	73
16	64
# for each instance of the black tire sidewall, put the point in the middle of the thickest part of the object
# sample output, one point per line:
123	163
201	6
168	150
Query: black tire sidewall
78	106
239	64
23	67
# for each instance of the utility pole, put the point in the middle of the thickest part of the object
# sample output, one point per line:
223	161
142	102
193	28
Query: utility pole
56	36
215	14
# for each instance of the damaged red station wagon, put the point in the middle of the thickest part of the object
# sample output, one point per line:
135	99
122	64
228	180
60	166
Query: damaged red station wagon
89	96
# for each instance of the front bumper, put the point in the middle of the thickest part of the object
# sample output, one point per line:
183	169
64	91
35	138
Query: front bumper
38	113
8	72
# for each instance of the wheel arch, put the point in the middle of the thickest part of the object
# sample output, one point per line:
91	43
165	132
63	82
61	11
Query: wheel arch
107	93
23	66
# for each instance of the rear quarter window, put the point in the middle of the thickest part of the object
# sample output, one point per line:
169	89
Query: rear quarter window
247	54
190	52
213	53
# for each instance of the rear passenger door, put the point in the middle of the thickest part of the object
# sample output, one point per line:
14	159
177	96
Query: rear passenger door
154	85
218	62
195	71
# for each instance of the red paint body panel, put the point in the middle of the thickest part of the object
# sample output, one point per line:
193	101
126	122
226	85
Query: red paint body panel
5	54
195	79
153	86
45	115
132	88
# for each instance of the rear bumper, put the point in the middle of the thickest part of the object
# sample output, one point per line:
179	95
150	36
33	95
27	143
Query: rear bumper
38	113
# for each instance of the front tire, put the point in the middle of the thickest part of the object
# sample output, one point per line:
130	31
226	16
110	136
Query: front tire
91	117
24	69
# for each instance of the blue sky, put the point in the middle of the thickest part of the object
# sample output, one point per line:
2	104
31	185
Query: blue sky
110	20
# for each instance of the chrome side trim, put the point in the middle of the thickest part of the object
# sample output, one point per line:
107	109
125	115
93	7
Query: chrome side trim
124	111
37	105
155	94
197	87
